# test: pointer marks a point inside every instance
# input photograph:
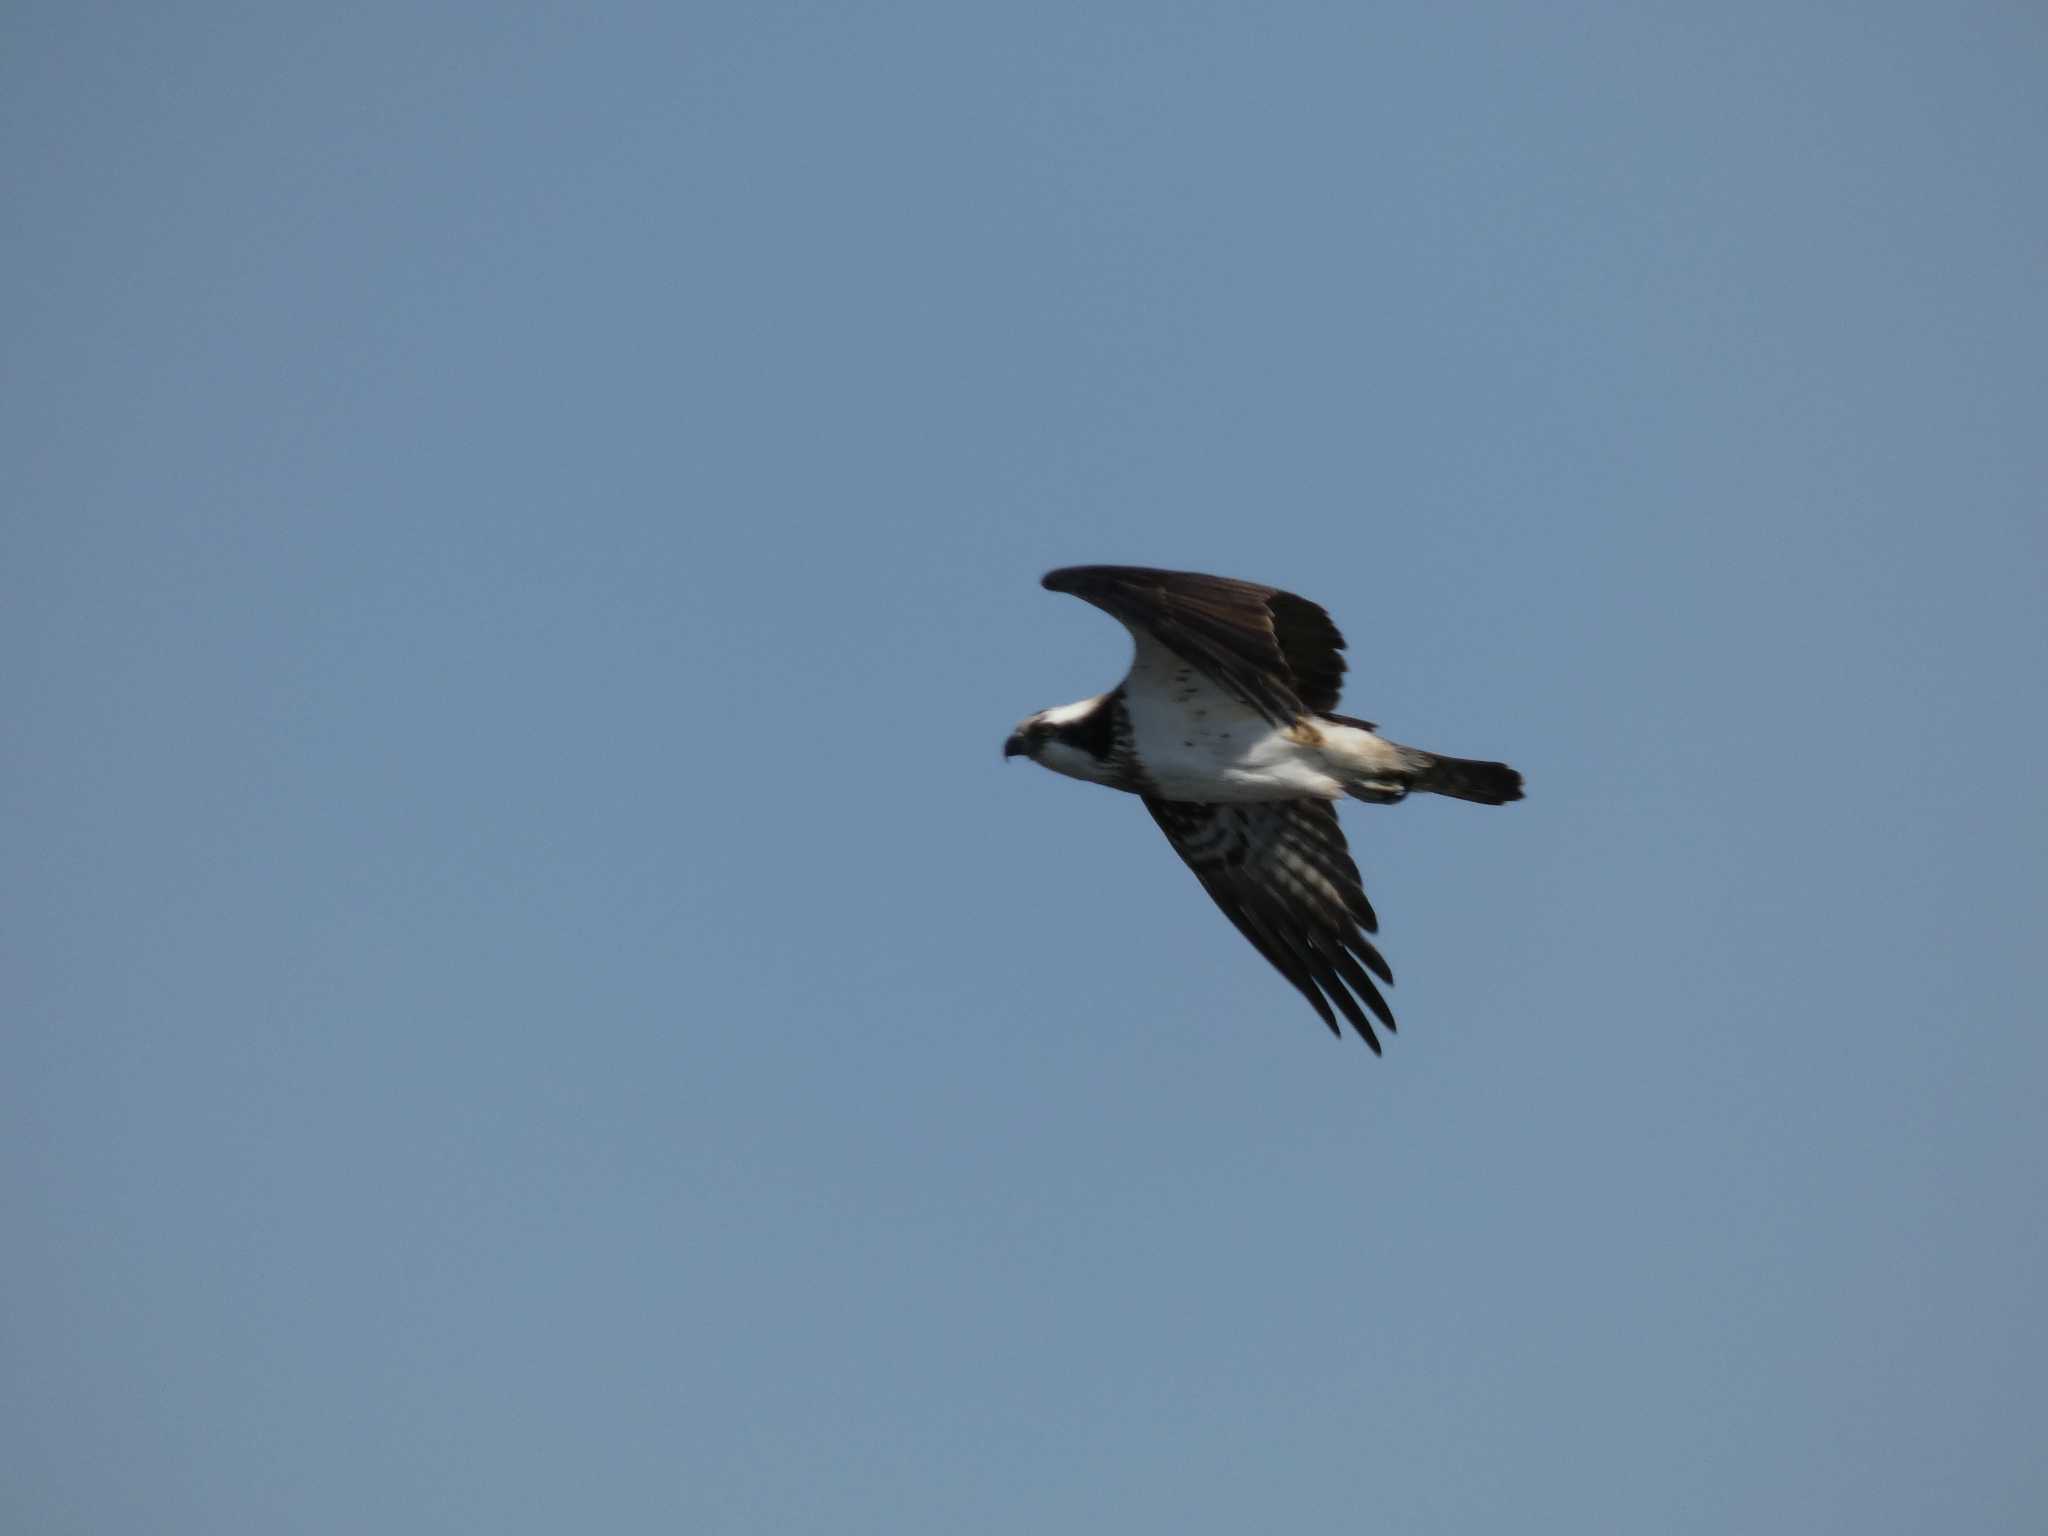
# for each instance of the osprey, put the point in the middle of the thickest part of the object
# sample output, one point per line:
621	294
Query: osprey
1225	728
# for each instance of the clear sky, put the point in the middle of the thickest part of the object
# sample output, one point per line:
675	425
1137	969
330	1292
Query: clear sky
532	1002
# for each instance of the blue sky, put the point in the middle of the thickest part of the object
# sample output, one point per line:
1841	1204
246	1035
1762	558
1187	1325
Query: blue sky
533	1002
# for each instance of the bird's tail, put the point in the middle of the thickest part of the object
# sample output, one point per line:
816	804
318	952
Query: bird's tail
1462	778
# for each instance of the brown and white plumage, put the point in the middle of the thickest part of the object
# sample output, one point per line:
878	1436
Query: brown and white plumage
1224	726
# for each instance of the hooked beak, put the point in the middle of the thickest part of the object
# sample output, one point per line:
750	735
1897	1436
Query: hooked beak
1015	747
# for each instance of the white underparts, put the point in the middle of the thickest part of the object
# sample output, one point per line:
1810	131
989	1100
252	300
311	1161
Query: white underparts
1196	741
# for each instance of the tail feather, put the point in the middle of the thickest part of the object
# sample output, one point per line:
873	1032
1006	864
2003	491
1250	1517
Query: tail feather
1463	778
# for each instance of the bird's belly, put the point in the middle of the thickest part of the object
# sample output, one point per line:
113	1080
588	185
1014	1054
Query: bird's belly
1194	741
1226	764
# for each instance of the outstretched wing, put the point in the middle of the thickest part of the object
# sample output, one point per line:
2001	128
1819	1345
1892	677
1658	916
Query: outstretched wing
1279	653
1280	871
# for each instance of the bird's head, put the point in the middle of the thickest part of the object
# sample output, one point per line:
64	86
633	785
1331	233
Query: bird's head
1028	739
1071	739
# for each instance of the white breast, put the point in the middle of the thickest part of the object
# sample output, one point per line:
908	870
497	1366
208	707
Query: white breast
1198	742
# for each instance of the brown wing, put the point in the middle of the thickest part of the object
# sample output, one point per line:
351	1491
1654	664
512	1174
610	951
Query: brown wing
1280	871
1277	652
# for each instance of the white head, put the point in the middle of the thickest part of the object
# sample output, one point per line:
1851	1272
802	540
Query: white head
1074	739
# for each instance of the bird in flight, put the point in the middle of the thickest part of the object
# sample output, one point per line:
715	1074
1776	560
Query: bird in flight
1226	728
